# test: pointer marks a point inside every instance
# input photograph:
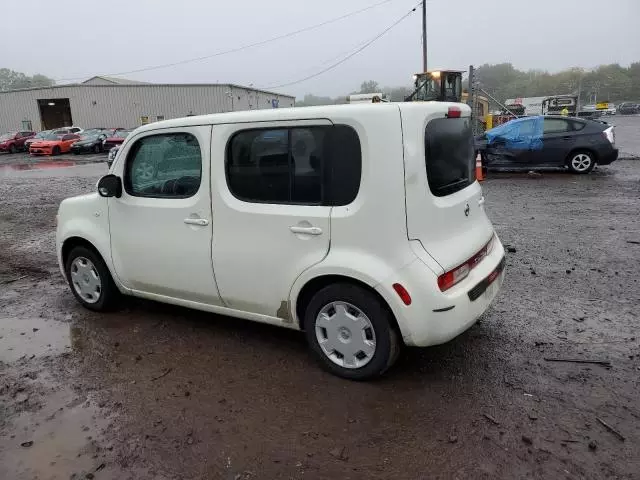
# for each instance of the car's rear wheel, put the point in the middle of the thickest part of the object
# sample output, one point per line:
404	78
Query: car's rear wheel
12	149
351	332
97	148
56	150
581	162
90	280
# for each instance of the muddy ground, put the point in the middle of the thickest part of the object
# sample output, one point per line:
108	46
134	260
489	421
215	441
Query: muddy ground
159	392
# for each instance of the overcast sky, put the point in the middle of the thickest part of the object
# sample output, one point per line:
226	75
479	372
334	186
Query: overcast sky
67	39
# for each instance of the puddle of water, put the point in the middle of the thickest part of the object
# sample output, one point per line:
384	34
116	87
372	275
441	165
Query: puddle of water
58	168
65	435
32	336
37	166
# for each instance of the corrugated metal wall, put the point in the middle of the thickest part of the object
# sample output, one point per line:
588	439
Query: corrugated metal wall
124	105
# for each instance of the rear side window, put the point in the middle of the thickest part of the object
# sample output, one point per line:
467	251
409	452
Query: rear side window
556	125
578	125
449	155
303	165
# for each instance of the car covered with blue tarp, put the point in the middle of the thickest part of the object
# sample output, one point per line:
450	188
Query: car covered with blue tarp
550	141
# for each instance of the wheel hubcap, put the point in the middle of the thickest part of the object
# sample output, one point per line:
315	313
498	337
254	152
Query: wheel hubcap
345	335
581	162
86	280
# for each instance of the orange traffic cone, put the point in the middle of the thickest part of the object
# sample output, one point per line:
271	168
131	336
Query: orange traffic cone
479	175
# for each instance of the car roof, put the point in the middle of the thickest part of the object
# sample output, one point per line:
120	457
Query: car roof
299	113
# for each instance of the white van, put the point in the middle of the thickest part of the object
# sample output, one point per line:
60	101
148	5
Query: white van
362	225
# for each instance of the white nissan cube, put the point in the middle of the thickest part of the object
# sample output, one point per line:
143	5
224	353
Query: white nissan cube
362	225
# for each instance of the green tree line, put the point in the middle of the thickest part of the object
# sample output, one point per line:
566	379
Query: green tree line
396	94
612	83
12	80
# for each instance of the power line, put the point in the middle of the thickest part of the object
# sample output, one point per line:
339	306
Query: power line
240	48
331	67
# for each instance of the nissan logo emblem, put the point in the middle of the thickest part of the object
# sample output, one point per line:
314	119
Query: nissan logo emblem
466	210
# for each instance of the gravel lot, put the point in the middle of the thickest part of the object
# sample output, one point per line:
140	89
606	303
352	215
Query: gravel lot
159	392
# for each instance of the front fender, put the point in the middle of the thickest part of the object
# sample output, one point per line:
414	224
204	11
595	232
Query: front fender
85	217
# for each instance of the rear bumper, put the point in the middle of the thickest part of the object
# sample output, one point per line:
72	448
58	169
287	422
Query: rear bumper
607	156
435	317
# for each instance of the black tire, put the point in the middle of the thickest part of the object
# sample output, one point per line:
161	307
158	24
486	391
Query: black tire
576	162
97	148
387	337
76	152
12	148
109	296
56	150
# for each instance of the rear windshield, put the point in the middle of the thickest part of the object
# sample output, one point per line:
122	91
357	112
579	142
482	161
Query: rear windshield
448	144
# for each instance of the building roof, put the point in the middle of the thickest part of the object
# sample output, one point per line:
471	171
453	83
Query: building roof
116	80
148	85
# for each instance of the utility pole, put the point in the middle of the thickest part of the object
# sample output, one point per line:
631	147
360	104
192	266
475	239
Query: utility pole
578	104
424	35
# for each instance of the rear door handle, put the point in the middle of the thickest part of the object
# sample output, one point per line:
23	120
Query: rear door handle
203	222
306	230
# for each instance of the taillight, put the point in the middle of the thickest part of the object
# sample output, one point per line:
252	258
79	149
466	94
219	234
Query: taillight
610	135
450	278
454	112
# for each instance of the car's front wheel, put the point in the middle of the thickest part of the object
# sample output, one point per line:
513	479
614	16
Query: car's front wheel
12	148
581	162
351	332
90	280
56	150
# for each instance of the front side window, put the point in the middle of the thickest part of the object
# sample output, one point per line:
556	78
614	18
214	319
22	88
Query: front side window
449	155
164	166
304	165
527	129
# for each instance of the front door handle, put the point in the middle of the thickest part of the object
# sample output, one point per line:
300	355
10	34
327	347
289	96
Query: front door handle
203	222
306	230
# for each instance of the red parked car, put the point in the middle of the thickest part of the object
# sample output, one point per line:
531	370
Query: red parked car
14	141
115	139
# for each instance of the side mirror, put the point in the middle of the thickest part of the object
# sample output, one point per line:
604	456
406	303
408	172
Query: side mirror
110	186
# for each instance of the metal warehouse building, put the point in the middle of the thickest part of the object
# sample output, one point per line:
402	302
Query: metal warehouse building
111	102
